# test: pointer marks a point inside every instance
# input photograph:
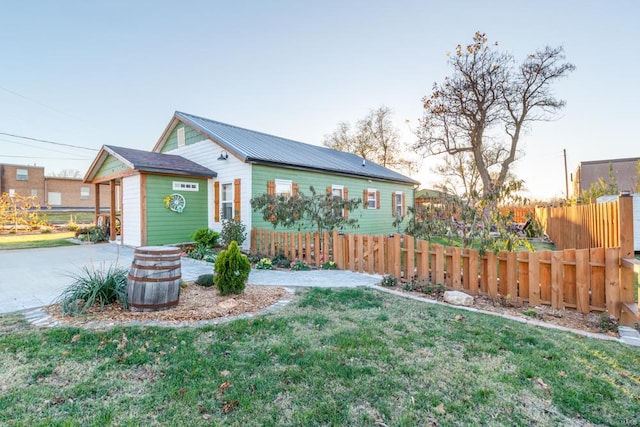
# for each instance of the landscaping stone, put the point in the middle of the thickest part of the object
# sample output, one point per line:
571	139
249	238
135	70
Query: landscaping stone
458	298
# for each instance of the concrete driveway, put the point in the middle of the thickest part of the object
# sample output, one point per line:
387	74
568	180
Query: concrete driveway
32	278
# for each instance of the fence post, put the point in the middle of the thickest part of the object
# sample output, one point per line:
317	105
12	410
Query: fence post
625	212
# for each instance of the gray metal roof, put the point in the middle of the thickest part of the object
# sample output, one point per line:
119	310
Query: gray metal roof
158	162
258	147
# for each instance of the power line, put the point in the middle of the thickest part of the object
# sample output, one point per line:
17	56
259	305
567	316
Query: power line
42	158
38	147
48	142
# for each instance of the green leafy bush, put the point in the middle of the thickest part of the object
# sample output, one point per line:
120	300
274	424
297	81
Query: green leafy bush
389	281
608	322
205	280
329	265
95	286
232	271
233	231
298	265
264	264
204	237
93	234
281	261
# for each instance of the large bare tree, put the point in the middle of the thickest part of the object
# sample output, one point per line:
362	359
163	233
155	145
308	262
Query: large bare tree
373	138
486	104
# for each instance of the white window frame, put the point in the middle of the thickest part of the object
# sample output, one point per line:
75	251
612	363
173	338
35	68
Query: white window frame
34	192
397	202
226	202
280	183
85	193
22	174
185	186
180	136
372	192
12	192
56	196
340	190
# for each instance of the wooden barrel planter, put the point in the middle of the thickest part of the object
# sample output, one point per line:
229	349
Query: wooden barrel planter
154	278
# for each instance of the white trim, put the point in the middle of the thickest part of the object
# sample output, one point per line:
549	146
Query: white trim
284	182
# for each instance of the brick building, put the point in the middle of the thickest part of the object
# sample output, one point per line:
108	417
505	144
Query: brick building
54	192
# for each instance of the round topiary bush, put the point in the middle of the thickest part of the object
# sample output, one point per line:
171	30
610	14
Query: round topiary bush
232	271
205	280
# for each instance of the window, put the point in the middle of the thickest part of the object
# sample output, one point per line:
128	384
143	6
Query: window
284	187
185	186
54	198
12	192
371	199
397	204
84	193
34	192
226	200
22	174
338	191
180	137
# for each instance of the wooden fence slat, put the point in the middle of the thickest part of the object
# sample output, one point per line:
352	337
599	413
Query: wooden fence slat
502	273
350	252
409	266
465	270
423	259
596	261
473	271
370	255
523	276
338	250
582	280
569	280
612	280
316	250
437	264
557	281
511	277
448	271
534	279
492	274
545	277
381	255
397	254
456	279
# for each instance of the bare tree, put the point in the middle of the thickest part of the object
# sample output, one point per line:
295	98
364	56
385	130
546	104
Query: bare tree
486	104
67	173
373	138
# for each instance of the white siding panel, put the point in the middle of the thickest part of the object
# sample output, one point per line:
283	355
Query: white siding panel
131	233
636	222
206	153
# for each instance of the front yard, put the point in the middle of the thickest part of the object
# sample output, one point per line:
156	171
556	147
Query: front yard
332	357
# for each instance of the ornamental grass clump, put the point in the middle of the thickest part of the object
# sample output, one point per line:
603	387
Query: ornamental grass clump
93	286
231	271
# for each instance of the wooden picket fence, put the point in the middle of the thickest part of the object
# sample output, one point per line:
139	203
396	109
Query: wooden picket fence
594	225
584	279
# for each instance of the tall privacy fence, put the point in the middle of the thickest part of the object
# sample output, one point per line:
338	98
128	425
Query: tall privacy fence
583	279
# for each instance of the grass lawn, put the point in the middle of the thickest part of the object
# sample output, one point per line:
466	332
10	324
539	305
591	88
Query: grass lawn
79	217
28	241
333	357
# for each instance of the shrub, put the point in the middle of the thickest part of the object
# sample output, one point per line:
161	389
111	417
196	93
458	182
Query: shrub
95	286
608	322
233	231
281	261
205	280
264	264
93	234
389	281
232	270
329	265
204	237
298	265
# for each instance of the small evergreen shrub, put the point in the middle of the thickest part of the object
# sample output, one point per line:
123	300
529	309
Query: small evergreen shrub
232	271
280	261
204	237
94	234
233	231
608	322
205	280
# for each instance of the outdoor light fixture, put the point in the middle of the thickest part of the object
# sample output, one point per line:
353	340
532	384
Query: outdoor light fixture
223	155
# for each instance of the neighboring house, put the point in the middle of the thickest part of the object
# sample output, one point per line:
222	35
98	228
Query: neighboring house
428	196
52	192
624	170
213	170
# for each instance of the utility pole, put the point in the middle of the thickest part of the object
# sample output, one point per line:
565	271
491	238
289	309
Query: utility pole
566	176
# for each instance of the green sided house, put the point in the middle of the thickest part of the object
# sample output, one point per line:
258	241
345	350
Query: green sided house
201	172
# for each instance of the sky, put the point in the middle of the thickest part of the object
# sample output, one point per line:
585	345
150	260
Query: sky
92	73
